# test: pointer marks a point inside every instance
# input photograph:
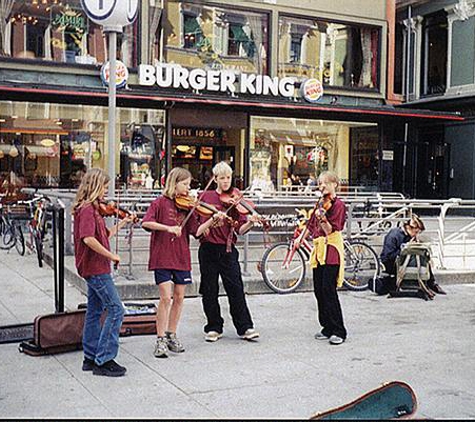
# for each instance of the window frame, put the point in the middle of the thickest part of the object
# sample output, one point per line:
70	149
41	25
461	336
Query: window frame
348	24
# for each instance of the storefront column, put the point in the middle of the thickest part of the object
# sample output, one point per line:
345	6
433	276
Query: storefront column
168	143
386	158
247	152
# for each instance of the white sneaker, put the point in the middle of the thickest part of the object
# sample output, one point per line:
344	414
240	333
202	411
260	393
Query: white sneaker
250	334
213	336
336	340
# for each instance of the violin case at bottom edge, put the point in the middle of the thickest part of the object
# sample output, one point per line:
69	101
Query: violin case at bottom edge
391	400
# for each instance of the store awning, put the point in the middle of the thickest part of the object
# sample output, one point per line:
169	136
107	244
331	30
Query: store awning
259	105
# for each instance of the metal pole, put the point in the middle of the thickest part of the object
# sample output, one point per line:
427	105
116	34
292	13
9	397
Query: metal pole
112	109
55	259
245	271
60	222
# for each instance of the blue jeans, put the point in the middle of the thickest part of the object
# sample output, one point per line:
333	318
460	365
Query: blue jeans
101	344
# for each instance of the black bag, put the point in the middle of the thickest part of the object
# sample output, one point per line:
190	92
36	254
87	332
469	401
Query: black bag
382	285
55	333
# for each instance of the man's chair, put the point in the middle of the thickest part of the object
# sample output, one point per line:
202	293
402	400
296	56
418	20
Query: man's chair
413	270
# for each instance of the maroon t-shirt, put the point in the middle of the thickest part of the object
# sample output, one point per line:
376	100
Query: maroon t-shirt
219	234
336	216
168	252
89	223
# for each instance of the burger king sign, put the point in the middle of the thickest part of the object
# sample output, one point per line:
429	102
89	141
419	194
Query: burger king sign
311	90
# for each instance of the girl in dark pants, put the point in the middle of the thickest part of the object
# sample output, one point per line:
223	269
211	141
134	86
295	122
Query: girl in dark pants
218	256
327	259
330	315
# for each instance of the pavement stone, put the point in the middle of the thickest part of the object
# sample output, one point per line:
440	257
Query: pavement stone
286	374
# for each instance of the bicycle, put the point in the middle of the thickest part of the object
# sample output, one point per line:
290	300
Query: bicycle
283	265
36	227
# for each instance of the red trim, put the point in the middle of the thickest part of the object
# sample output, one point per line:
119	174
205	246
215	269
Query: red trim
239	103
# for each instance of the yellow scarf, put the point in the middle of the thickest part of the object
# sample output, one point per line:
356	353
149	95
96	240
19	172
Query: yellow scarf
319	252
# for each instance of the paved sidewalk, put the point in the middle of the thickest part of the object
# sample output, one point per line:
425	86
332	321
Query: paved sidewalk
286	374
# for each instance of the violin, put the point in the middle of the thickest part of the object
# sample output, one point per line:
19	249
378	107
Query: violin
234	198
186	203
109	209
324	203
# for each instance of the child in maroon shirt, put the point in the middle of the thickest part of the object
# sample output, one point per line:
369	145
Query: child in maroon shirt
325	228
218	256
170	257
93	258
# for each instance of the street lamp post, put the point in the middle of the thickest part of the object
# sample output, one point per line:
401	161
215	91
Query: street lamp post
113	15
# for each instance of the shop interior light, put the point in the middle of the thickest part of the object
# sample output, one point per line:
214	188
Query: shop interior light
48	143
2	120
2	154
183	148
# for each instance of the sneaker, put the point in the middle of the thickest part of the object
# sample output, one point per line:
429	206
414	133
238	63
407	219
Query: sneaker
321	336
213	336
336	340
173	343
109	369
161	348
250	334
88	364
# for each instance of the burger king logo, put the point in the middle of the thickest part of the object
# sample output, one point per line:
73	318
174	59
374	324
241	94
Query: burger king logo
311	90
122	74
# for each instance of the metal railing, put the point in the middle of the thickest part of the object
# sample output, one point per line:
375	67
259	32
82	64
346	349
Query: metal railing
450	225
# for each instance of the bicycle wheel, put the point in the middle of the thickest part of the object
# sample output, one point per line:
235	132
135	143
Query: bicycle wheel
361	265
19	240
38	247
7	240
279	277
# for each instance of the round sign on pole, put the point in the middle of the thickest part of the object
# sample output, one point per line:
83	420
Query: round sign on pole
112	14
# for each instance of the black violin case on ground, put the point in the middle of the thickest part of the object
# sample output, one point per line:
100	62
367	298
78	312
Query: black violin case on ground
392	400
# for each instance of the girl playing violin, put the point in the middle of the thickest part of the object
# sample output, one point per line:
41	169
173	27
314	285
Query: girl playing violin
93	258
218	256
327	259
170	257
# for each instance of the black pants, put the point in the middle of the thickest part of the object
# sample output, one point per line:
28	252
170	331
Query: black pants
215	262
329	309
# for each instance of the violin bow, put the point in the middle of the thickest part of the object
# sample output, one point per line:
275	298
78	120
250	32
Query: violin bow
304	232
196	204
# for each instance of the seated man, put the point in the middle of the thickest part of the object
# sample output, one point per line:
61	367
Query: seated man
393	242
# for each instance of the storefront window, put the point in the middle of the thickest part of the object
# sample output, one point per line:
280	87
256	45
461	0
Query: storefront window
199	149
364	156
338	54
205	36
58	31
51	145
434	51
287	152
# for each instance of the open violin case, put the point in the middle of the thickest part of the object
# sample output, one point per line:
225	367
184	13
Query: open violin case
392	400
